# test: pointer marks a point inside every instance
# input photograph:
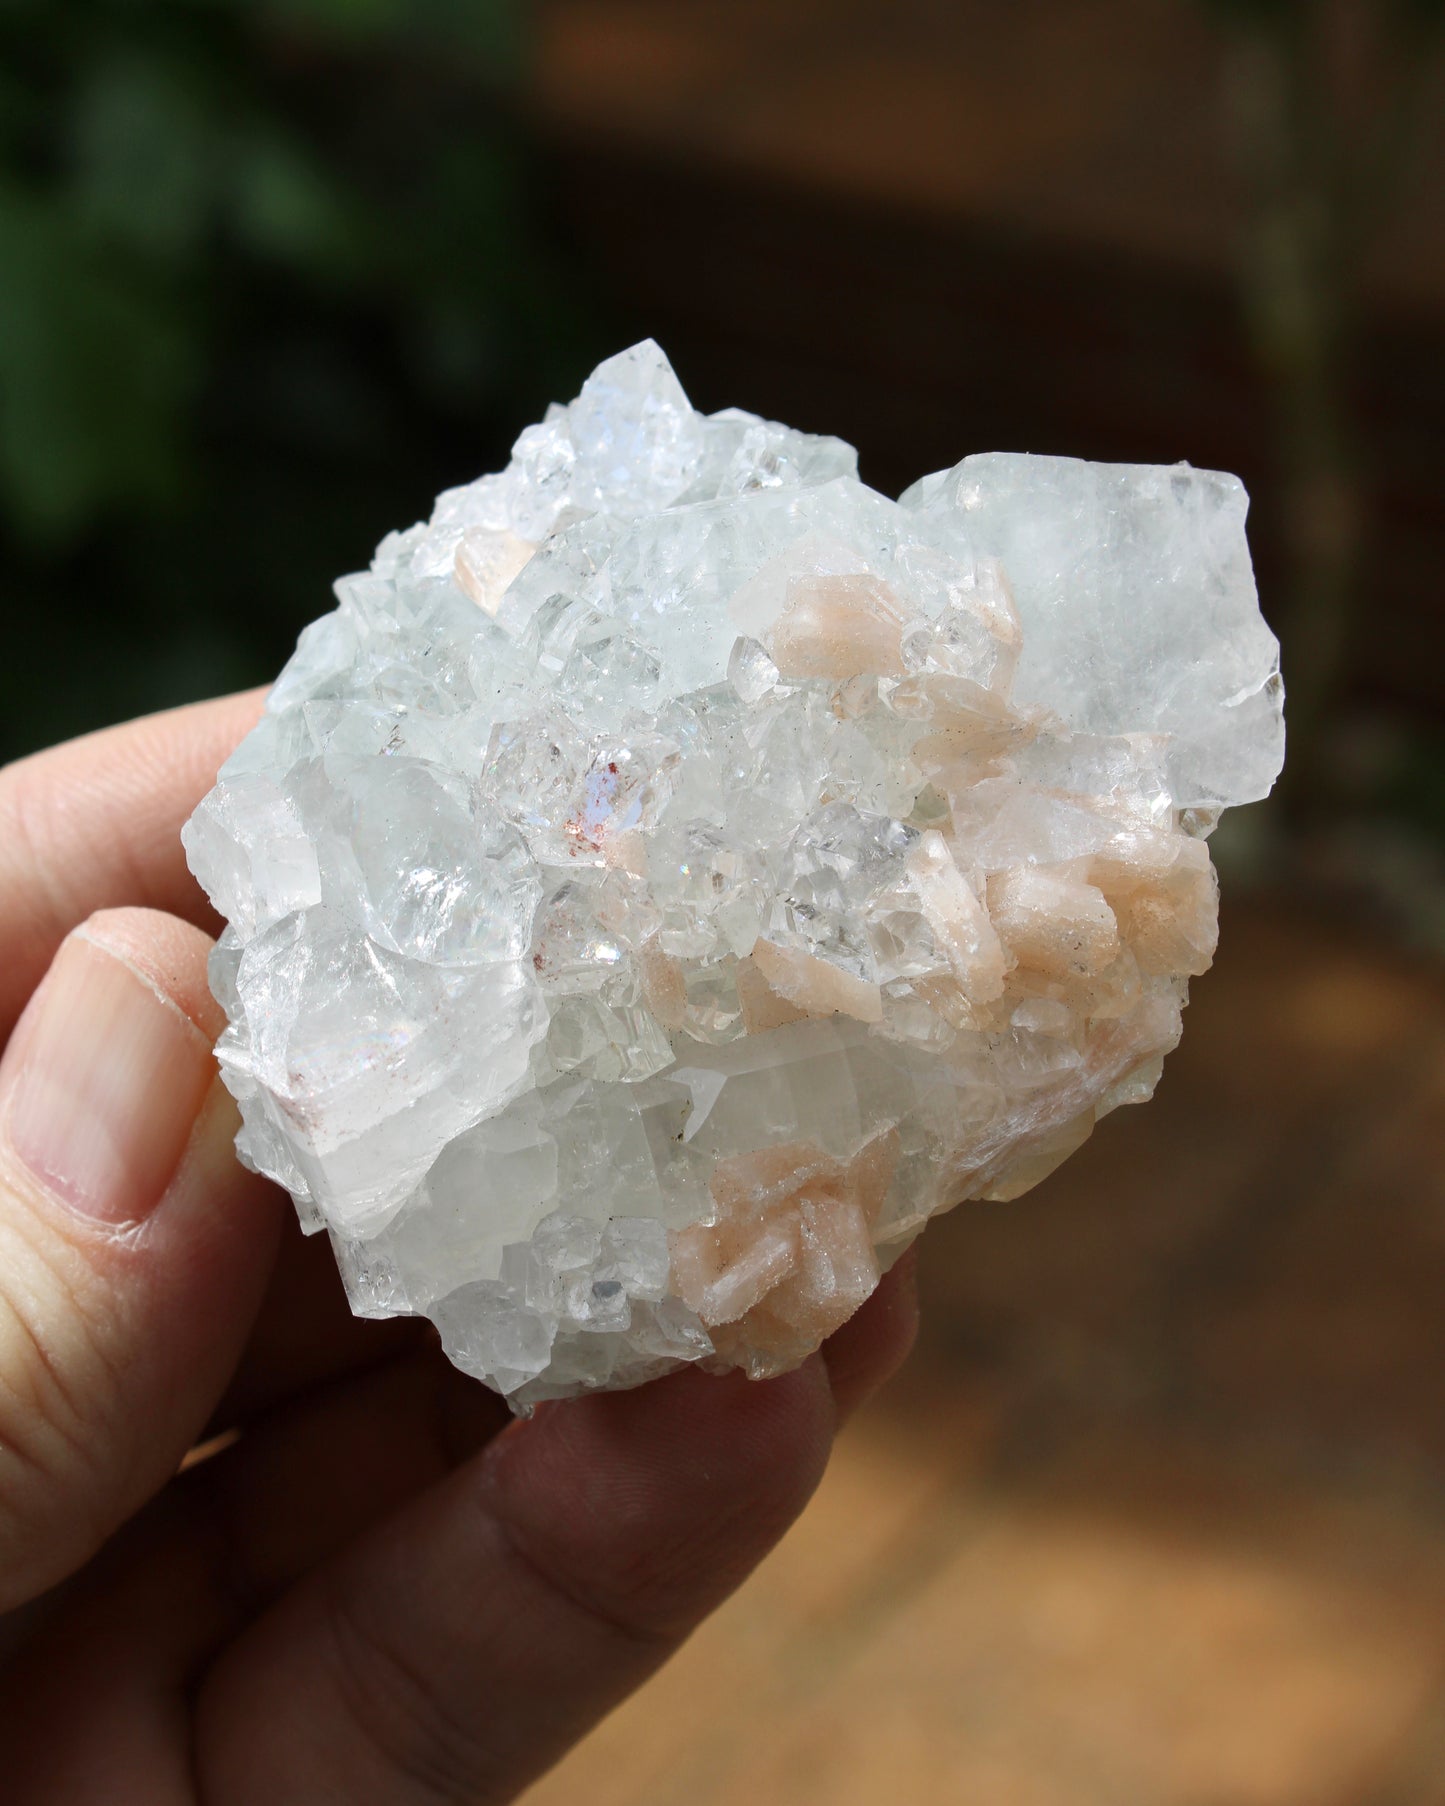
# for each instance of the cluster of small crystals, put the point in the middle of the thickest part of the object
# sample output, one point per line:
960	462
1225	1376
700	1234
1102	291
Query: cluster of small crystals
676	871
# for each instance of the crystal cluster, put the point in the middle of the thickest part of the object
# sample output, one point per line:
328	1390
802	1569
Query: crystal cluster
675	871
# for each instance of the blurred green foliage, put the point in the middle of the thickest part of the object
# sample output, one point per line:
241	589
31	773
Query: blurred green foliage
271	272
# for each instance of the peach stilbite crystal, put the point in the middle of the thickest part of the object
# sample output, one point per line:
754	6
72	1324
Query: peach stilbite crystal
839	627
814	986
675	872
790	1253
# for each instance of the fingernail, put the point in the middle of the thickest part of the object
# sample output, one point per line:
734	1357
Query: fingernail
101	1085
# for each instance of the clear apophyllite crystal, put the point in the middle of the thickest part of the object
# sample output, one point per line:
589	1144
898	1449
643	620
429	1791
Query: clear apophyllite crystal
675	871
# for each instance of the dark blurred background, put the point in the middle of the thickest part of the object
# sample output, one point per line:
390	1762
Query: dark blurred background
272	272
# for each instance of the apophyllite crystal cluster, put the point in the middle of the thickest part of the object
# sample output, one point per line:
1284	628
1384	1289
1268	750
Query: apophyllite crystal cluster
676	871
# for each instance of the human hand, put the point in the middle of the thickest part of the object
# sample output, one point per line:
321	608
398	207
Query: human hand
383	1589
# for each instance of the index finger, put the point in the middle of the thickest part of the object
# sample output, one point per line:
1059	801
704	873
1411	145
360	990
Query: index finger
96	823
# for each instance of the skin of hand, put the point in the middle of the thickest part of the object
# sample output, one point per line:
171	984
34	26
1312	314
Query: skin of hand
381	1589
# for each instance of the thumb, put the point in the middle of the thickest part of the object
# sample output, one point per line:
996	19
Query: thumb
134	1249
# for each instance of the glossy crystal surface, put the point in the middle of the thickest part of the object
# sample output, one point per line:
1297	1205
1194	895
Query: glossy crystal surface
675	871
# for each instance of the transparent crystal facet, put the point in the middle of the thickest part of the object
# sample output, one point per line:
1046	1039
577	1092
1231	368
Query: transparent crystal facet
675	871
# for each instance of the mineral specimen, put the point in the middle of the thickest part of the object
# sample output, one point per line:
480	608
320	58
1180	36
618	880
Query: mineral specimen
675	872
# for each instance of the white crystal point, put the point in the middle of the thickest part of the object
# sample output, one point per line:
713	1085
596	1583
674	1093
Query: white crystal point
675	871
1136	586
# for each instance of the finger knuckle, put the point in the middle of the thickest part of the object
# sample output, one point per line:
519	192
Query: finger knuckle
55	1390
27	811
629	1608
395	1707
